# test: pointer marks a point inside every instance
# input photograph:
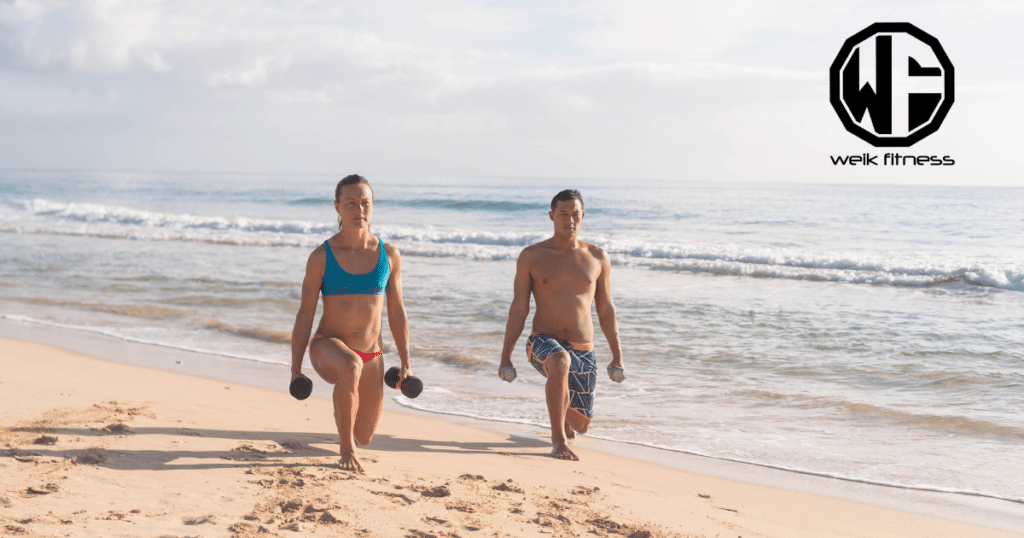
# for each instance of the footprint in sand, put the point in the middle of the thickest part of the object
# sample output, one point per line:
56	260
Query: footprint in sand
506	486
199	520
248	449
90	458
396	497
117	429
328	518
43	490
437	491
32	457
460	506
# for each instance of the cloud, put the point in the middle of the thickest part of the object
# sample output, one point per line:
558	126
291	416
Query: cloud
91	35
667	30
600	88
254	74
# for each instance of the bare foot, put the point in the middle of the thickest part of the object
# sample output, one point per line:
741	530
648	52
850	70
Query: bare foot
570	433
561	452
350	463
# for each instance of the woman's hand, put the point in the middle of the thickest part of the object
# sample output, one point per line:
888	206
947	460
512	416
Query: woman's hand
403	372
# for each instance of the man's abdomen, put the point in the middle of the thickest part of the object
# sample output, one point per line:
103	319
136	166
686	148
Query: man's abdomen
565	318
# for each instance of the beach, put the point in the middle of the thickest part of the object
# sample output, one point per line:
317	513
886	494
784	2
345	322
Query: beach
857	345
808	304
865	333
97	448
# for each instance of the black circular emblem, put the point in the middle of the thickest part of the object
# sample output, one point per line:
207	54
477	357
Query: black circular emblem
891	84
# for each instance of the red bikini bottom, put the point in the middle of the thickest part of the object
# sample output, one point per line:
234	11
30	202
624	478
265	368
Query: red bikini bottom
367	356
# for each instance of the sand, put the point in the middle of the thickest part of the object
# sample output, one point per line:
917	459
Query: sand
95	448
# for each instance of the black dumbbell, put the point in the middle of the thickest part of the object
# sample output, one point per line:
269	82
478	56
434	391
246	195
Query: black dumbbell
301	387
411	386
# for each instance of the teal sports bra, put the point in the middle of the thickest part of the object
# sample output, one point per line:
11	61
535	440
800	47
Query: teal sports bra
337	281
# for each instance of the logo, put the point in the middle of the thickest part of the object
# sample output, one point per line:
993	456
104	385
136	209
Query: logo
891	84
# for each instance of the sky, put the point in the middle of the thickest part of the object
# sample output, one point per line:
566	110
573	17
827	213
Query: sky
641	90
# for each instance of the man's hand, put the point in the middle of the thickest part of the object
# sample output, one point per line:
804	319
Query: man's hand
506	371
616	372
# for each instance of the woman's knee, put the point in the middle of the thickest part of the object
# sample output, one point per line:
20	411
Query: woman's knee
366	422
363	438
337	367
350	364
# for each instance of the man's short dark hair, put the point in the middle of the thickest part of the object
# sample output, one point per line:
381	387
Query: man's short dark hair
565	196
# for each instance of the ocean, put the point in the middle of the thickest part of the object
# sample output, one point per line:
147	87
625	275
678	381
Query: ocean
867	333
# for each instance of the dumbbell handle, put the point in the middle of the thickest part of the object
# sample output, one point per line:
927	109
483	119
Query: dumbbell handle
411	387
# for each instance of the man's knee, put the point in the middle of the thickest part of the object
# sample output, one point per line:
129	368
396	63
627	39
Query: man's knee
363	438
557	365
577	420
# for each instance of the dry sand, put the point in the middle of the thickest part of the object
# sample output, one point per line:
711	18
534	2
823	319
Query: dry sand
94	448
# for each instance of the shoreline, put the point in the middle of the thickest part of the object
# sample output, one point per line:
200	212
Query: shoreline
951	507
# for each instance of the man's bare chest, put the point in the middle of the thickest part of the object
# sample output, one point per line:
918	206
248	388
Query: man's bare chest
566	270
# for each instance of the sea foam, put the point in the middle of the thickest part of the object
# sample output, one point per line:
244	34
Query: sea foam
39	216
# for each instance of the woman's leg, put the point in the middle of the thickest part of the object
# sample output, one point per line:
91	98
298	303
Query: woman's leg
341	367
371	400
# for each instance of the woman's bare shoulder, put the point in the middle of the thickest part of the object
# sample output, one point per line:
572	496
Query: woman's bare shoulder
318	257
391	250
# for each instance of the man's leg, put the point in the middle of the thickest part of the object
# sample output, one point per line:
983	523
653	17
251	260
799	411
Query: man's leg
582	379
338	365
575	422
557	392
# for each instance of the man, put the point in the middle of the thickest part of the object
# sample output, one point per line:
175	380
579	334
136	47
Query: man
566	277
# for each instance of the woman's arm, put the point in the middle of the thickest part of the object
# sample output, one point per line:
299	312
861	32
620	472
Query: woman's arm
307	308
398	321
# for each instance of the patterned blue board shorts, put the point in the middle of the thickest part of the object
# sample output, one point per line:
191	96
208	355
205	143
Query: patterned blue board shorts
582	369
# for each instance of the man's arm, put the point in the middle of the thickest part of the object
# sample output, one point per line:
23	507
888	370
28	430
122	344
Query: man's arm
606	309
398	320
519	310
307	309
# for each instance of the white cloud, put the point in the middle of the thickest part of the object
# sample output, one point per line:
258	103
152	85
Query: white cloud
599	89
253	75
668	30
89	35
301	97
458	120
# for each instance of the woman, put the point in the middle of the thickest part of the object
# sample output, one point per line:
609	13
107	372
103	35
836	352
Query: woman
355	271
